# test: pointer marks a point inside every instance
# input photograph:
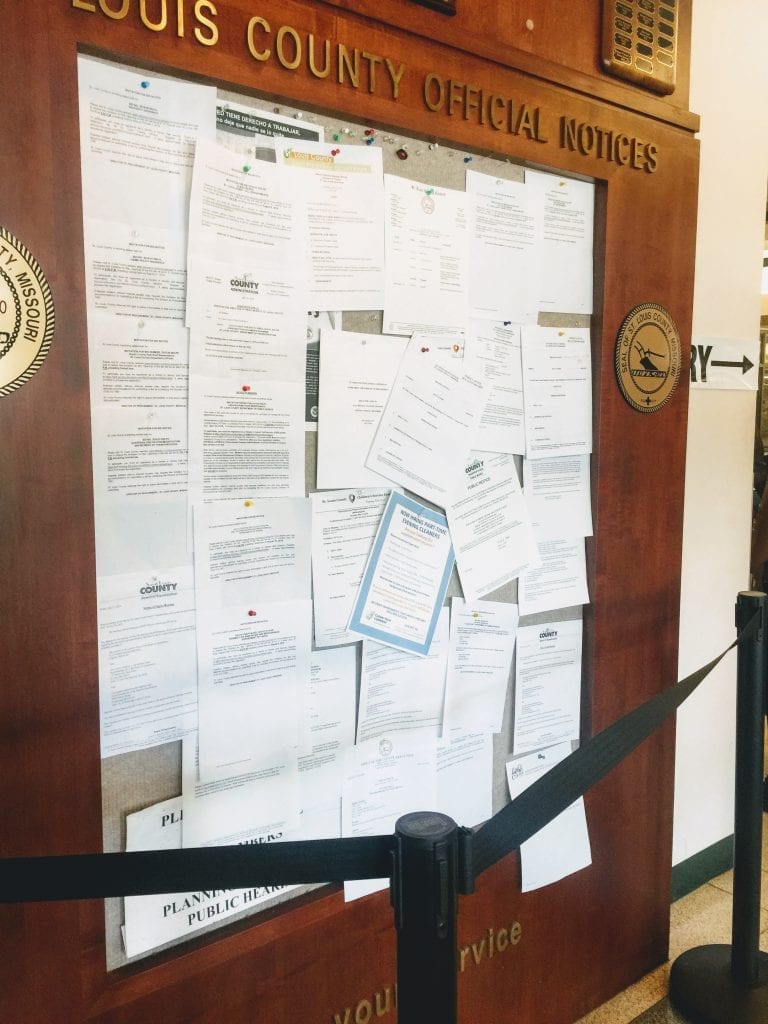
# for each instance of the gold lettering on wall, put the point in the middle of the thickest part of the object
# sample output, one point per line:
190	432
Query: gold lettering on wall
211	36
358	68
605	144
120	13
157	15
154	26
492	941
258	54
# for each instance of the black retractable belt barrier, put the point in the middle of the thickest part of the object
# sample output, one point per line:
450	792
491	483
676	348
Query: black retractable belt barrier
721	984
429	859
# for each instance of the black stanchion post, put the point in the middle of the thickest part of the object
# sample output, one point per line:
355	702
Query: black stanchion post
721	984
424	896
748	811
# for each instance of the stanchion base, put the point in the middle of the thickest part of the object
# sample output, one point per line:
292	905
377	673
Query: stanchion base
702	988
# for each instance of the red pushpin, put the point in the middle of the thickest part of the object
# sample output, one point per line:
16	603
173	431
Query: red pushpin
246	387
251	612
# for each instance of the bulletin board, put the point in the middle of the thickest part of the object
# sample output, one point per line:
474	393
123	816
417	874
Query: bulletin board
567	947
136	780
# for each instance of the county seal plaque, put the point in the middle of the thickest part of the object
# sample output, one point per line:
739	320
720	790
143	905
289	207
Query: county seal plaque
648	357
26	314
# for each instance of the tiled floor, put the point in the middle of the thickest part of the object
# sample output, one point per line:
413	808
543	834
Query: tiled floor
701	918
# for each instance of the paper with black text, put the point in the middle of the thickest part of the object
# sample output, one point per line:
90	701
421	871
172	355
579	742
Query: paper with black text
317	321
557	381
331	709
244	210
490	527
465	776
357	372
560	581
557	493
428	425
152	921
344	210
402	692
139	448
147	665
426	236
247	320
245	437
137	365
406	577
138	133
503	249
253	675
252	548
562	846
564	219
494	354
384	779
262	805
482	647
547	684
344	524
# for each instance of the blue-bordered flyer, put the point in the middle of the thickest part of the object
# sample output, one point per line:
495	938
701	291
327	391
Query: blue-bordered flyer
405	579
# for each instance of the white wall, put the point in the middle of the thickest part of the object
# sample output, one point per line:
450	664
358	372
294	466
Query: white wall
729	89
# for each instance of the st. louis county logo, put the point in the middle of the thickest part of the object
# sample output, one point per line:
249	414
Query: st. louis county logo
648	357
26	314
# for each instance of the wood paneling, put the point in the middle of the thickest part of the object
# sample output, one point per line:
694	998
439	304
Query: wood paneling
582	939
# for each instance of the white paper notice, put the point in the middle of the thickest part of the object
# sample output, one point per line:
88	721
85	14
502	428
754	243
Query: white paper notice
137	365
547	684
332	700
147	668
344	524
139	445
247	320
384	779
427	428
562	846
134	271
357	372
401	692
557	381
564	223
482	646
494	355
557	494
491	532
258	806
465	777
253	674
345	219
252	548
426	257
559	582
138	134
151	921
503	271
243	210
245	438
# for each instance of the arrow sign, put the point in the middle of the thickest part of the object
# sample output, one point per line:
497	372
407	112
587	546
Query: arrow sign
745	363
716	362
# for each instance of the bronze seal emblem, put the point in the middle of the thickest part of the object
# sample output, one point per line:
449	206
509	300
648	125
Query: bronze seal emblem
26	314
648	357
